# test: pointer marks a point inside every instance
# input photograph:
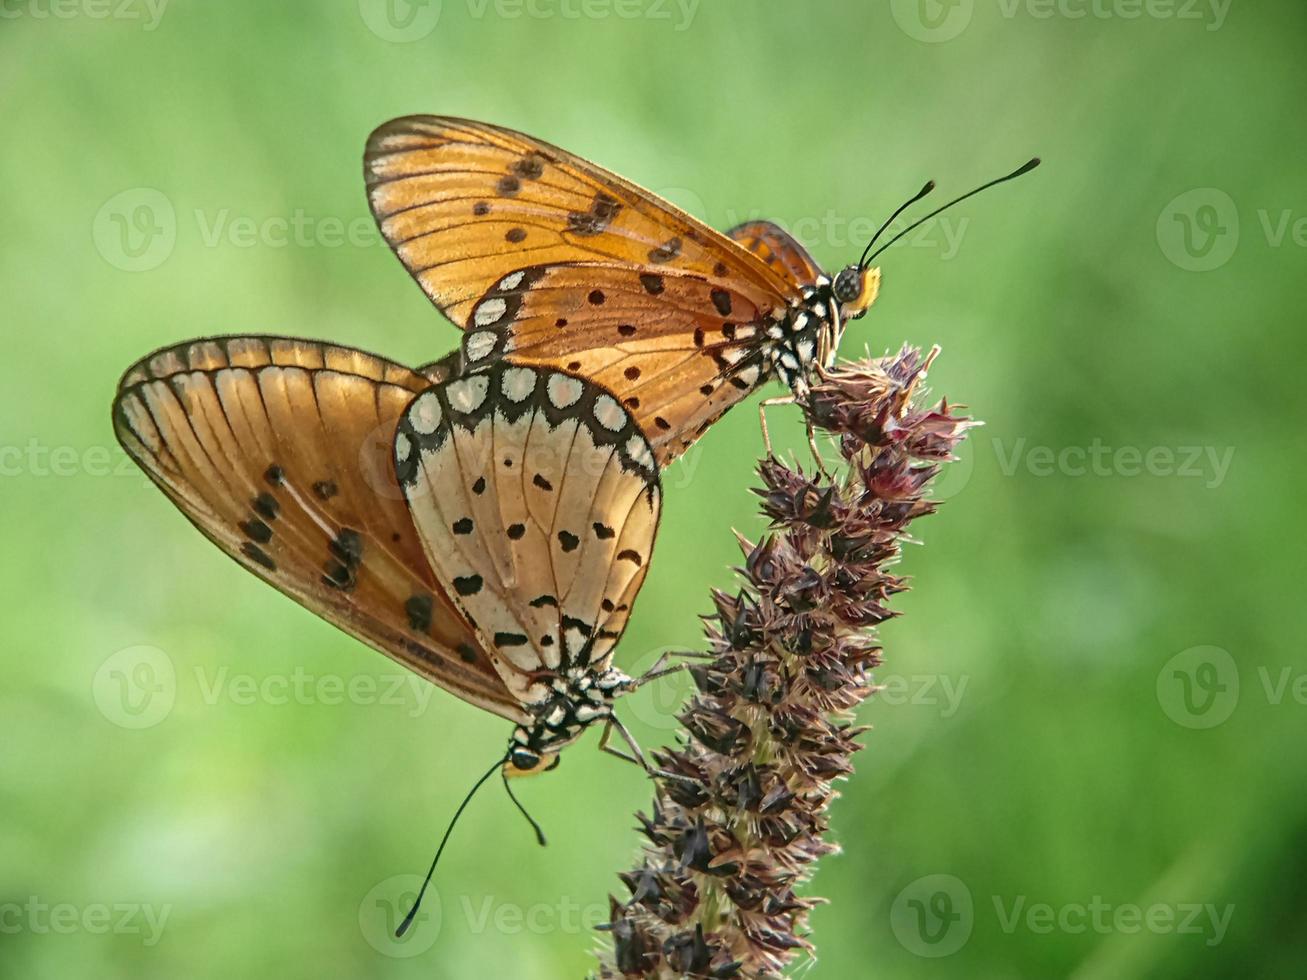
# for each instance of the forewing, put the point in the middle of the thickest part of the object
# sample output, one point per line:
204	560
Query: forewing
279	451
464	204
779	250
537	497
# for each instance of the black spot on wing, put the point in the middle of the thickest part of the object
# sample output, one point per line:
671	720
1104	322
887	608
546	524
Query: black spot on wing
467	584
602	211
257	555
418	610
665	252
266	506
256	530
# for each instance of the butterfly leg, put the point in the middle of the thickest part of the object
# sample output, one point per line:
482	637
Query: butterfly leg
659	669
637	754
763	405
767	403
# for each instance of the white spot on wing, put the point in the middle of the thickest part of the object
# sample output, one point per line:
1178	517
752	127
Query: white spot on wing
480	344
489	311
609	414
564	391
467	394
638	450
511	281
425	414
749	375
518	383
402	447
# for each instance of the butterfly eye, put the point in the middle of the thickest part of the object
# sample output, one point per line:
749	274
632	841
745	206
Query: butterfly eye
848	284
524	760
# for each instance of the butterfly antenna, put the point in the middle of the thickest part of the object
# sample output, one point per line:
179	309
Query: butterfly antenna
930	186
1021	171
408	919
540	834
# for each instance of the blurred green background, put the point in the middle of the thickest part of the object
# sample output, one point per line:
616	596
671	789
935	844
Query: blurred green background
1088	759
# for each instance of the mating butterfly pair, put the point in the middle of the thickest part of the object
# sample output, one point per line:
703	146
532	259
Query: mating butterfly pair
488	519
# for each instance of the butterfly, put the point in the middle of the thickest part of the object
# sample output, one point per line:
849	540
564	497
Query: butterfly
545	258
488	530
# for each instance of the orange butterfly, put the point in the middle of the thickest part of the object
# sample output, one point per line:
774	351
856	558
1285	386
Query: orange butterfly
489	531
547	259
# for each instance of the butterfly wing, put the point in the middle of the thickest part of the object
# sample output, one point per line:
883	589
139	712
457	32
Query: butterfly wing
464	204
537	497
779	250
678	351
279	451
545	256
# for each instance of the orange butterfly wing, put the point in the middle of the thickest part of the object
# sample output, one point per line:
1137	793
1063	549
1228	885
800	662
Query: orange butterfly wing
279	451
780	250
468	206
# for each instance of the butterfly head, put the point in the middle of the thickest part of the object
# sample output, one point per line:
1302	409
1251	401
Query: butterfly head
523	761
855	289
